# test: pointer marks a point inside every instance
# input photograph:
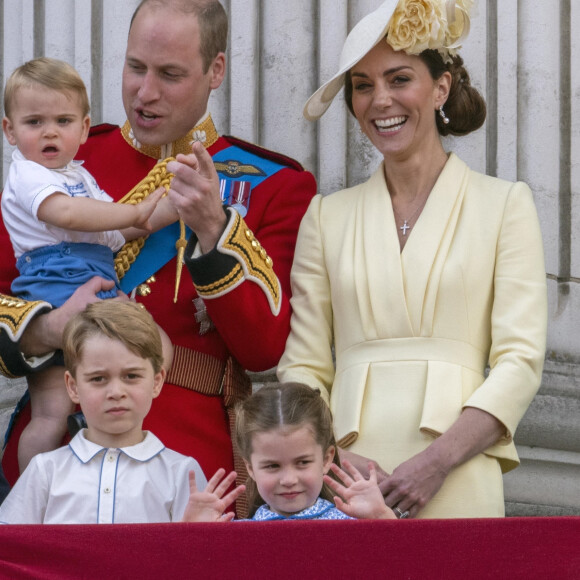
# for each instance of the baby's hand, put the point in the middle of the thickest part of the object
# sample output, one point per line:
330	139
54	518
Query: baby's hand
210	504
358	497
144	210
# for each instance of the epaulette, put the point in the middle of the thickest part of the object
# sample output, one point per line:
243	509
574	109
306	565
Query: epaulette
101	128
267	153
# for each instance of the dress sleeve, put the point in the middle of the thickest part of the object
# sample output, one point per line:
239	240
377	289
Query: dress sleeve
518	316
308	355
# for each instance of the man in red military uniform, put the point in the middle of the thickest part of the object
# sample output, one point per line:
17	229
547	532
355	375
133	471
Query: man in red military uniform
232	312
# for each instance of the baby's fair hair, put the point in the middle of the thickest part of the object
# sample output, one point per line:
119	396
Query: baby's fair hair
50	73
287	406
126	322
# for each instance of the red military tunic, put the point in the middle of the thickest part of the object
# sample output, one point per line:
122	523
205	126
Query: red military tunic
247	325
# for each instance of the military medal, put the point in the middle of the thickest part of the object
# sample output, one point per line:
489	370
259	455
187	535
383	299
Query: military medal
236	194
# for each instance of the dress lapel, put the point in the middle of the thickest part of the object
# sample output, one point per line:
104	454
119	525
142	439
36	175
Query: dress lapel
424	255
377	259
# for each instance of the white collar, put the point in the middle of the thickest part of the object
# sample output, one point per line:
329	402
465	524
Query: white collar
85	450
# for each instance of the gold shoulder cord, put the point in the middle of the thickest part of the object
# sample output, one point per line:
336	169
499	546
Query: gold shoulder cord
157	177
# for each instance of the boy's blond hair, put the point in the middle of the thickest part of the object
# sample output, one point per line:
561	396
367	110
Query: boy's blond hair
50	73
126	322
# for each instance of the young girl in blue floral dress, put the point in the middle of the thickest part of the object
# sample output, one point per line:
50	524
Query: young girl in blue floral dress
284	434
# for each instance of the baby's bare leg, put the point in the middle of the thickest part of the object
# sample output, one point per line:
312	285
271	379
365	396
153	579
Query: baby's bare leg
50	406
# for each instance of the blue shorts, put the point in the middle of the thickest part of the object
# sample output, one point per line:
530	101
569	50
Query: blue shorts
53	273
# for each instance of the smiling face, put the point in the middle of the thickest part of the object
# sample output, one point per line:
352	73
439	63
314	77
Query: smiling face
287	465
115	388
48	126
165	89
394	99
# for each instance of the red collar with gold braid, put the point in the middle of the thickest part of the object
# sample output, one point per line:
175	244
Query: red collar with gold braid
205	132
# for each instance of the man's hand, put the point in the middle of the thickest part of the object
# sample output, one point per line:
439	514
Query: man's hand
195	194
210	504
44	333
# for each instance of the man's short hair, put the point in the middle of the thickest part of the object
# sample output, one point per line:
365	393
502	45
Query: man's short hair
213	24
126	322
50	73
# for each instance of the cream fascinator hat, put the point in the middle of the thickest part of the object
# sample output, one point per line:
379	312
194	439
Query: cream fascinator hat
409	25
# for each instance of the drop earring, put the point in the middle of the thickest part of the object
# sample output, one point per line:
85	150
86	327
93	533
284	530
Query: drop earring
443	116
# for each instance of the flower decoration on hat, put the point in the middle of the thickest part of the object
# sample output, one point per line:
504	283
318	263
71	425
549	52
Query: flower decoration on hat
418	25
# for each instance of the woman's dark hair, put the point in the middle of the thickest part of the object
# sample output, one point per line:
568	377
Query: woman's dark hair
284	406
465	107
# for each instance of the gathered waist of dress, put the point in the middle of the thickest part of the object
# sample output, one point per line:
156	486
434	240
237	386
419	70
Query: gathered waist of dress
412	349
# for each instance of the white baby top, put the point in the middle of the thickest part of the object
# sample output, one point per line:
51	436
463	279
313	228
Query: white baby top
28	185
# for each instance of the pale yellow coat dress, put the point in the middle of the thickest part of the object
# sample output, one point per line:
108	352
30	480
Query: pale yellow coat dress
414	330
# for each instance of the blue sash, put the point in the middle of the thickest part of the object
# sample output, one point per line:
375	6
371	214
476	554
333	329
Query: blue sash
234	165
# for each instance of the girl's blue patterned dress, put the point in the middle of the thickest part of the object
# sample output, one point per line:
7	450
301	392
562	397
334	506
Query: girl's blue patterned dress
321	510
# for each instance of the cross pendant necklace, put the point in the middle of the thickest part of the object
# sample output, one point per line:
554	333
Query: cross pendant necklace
405	227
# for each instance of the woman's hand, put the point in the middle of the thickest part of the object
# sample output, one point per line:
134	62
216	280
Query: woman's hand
210	504
413	483
356	496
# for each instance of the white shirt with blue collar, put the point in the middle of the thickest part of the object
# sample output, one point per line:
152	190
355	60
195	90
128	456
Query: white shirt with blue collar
84	483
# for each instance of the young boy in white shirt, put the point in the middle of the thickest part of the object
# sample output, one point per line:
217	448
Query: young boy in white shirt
63	227
112	471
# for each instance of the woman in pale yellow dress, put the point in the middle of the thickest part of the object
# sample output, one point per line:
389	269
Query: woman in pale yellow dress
420	277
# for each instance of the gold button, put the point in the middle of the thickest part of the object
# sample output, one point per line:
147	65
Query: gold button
263	254
249	235
269	262
255	245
